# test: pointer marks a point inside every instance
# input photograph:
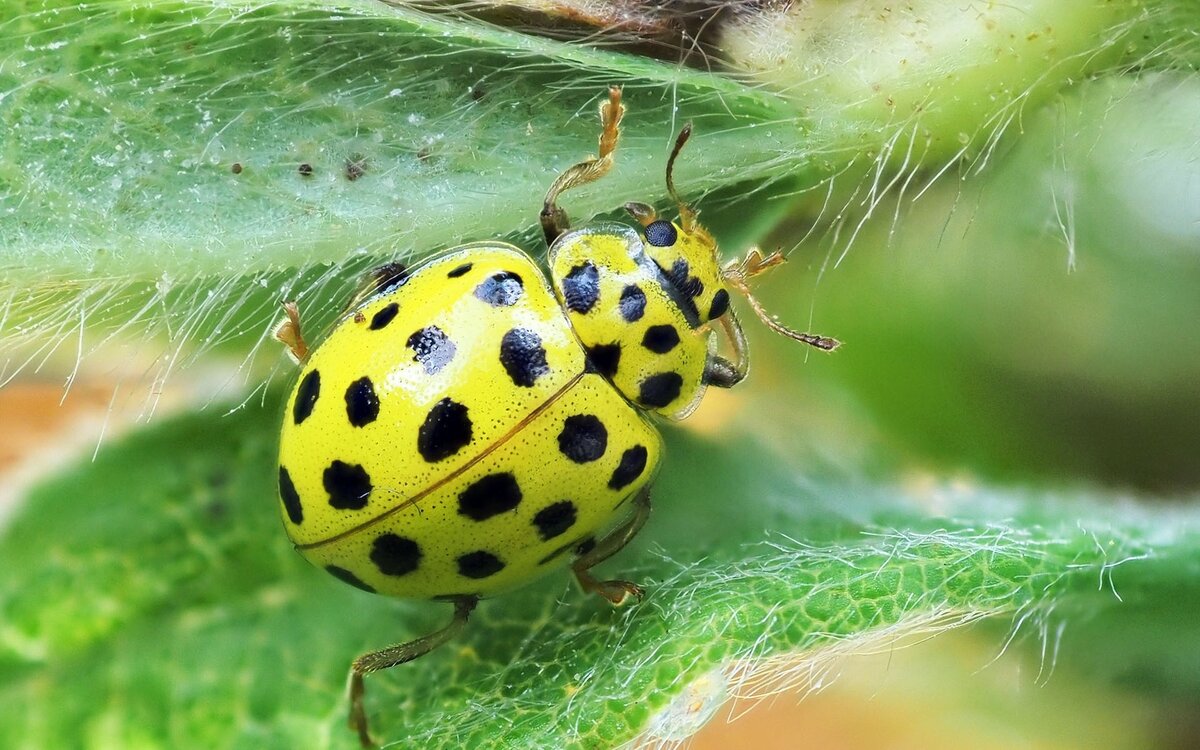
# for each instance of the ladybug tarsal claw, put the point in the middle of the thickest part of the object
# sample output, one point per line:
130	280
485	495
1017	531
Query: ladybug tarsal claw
644	213
619	592
757	263
627	590
288	332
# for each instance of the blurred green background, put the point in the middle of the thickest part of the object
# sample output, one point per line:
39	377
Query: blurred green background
1037	323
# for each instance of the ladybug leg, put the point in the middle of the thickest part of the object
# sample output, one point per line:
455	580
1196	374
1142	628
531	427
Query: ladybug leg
616	591
738	273
288	332
554	219
722	372
399	654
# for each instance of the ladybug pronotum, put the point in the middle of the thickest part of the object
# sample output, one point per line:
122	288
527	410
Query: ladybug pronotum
468	425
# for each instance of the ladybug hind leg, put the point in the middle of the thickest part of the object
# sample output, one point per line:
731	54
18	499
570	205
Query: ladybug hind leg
399	654
615	591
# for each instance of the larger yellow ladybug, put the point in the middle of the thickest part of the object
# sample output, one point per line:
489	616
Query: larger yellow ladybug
465	427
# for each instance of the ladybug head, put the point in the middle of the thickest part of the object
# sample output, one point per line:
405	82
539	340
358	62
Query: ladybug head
687	255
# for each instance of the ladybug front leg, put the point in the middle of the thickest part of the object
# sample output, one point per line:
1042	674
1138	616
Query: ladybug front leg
616	591
554	218
722	372
399	654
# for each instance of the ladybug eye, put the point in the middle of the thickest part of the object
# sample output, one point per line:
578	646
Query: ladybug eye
661	233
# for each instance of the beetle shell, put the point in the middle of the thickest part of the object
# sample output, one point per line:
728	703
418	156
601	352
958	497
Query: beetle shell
450	437
637	326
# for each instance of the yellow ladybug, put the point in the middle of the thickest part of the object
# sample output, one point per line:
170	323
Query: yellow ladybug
466	427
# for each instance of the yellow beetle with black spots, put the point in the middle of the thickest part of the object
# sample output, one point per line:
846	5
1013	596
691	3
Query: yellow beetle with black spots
467	426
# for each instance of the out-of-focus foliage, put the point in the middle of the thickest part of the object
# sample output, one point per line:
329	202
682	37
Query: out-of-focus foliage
150	179
172	610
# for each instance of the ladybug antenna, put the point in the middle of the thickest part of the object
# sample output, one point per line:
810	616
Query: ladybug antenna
738	273
687	217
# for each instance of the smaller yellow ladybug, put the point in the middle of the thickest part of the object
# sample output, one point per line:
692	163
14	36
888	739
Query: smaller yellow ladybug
468	425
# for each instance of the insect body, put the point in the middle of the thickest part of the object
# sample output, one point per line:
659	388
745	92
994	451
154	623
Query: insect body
452	440
468	425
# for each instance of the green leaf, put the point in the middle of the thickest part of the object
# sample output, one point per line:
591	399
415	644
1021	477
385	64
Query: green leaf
171	610
123	122
122	215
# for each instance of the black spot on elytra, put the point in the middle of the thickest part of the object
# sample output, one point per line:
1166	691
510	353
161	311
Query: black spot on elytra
306	396
291	498
459	270
661	339
432	347
689	286
395	555
490	496
523	356
720	304
661	233
554	520
479	564
501	289
633	463
583	438
384	316
633	303
348	485
581	287
606	358
346	576
362	405
446	429
660	389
